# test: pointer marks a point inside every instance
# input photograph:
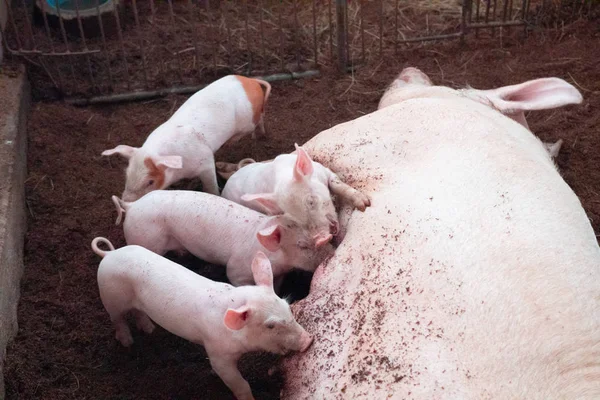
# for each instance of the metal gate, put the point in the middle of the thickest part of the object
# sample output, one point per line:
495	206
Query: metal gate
114	50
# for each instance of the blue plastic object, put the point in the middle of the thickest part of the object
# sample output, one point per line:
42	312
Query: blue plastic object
52	3
70	4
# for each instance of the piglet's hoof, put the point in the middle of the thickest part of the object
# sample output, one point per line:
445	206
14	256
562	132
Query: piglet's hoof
361	201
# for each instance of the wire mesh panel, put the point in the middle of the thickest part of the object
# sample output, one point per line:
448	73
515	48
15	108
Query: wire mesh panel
377	30
84	48
89	47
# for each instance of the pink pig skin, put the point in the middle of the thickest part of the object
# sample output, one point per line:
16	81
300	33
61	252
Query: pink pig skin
219	231
184	145
298	186
226	320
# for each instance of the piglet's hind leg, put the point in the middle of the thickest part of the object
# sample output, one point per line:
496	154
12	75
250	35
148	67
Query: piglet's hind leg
143	322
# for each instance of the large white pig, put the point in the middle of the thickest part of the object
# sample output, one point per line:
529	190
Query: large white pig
226	320
294	184
219	231
183	147
475	274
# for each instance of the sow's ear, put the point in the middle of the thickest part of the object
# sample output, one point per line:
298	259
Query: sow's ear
538	94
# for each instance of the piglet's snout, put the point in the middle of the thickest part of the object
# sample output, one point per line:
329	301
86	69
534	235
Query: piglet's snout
128	197
305	341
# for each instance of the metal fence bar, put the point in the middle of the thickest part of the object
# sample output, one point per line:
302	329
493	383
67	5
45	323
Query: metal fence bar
104	46
505	10
295	31
213	33
174	31
341	9
395	28
146	95
47	27
248	38
85	48
496	24
314	20
380	28
476	16
362	31
20	50
141	40
11	18
261	17
49	54
463	23
432	38
122	45
330	31
64	36
227	23
494	16
161	59
524	16
28	24
281	36
347	27
40	59
510	10
193	17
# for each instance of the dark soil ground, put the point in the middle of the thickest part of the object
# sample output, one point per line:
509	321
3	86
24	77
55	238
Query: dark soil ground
66	349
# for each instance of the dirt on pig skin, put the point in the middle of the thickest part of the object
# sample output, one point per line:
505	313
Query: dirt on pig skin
65	348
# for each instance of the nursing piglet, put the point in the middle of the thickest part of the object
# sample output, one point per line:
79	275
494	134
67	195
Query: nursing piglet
295	185
226	320
218	231
183	147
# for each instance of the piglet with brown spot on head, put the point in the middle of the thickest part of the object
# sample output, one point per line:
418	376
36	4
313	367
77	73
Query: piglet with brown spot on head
183	147
145	172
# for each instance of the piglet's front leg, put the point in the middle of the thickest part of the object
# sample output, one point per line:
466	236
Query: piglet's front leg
226	368
348	194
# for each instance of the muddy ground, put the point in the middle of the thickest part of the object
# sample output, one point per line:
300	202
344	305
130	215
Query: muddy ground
66	349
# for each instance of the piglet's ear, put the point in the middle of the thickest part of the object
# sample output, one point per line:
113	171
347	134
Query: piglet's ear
236	319
164	162
266	200
262	271
123	150
303	167
553	148
322	239
270	238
